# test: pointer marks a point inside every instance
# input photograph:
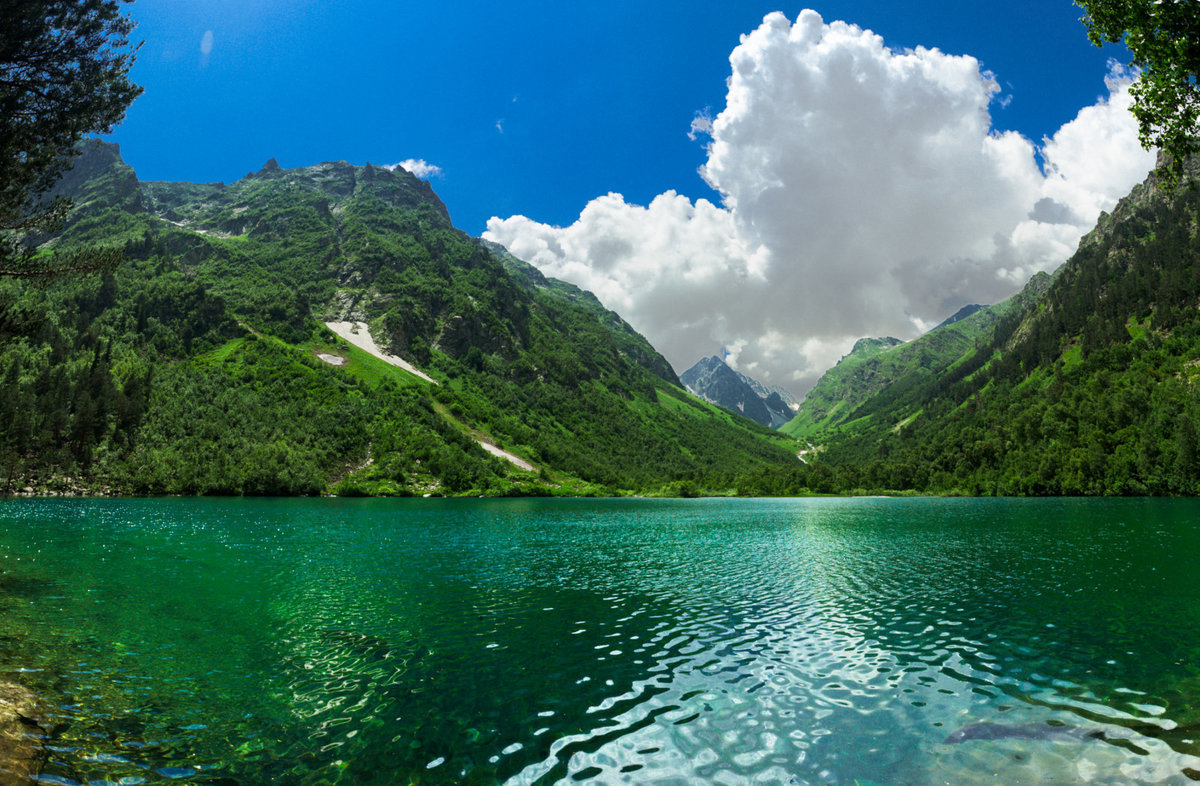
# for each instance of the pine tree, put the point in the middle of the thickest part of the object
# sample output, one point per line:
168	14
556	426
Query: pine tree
64	68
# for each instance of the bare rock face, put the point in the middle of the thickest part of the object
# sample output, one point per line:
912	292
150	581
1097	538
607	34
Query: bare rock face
22	752
712	380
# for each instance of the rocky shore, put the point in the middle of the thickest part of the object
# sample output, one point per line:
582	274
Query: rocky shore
55	486
22	735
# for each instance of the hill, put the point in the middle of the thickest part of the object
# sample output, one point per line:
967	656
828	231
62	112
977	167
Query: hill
203	363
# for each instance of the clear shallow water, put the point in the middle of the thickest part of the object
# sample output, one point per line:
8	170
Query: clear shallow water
637	641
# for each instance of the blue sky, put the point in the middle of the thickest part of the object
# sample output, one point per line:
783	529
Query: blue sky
527	107
870	166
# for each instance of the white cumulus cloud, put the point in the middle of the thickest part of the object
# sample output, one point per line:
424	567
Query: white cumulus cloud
417	166
701	126
864	192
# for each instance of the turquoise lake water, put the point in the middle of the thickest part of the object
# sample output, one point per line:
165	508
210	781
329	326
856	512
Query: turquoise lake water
889	641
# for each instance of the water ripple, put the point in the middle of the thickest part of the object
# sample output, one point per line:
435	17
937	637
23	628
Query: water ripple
743	641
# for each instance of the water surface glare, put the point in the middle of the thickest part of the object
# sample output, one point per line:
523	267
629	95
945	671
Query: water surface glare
824	641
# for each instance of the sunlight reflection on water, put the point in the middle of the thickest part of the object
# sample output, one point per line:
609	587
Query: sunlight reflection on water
620	641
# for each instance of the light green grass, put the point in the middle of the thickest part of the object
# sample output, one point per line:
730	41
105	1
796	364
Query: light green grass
223	352
1072	357
362	364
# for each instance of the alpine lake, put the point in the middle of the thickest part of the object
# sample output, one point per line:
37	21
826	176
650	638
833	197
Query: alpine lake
724	641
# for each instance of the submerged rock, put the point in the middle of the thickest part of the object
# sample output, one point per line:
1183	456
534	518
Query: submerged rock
1027	731
22	752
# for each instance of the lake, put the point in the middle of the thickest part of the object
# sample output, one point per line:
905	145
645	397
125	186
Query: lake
610	641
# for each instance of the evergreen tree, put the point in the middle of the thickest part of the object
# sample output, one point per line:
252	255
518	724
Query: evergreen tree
64	68
1164	38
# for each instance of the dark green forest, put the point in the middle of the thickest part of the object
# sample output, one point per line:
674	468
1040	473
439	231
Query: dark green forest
193	367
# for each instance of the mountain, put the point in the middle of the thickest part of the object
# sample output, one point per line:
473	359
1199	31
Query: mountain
208	361
961	314
714	381
878	364
771	392
1086	384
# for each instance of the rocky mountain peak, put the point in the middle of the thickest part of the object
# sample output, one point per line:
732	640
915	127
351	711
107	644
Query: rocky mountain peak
872	346
962	313
714	381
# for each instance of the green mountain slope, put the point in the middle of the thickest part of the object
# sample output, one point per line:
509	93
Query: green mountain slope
202	364
878	364
1091	389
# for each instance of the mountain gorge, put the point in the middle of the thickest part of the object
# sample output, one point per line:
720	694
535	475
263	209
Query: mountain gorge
202	363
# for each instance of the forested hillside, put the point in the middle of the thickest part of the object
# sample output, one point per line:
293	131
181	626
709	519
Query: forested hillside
878	364
201	364
1090	388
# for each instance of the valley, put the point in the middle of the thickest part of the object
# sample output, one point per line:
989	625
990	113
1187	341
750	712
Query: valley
200	365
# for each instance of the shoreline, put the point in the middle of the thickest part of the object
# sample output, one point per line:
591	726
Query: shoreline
23	752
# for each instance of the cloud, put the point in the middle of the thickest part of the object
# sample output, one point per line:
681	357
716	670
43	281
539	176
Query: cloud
417	166
864	192
206	45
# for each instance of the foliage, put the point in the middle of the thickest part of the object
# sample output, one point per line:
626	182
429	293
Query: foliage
1164	39
1090	389
886	367
63	74
193	368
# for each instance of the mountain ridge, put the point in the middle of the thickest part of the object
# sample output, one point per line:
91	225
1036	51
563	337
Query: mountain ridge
202	364
875	364
1086	385
715	381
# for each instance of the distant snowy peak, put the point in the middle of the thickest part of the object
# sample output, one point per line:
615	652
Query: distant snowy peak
714	381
